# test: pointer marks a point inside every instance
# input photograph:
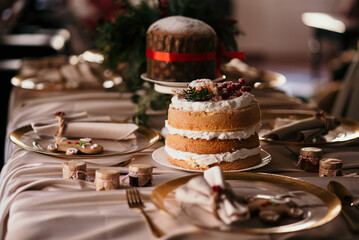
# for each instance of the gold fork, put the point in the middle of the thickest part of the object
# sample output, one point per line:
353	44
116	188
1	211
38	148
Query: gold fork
124	163
134	201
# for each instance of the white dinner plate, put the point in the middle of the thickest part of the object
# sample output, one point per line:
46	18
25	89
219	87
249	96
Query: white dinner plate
174	84
160	156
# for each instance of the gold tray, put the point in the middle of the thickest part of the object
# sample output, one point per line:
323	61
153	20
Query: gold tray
324	208
346	132
27	139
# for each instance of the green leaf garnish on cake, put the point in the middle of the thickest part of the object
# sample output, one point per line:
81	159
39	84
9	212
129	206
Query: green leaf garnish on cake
194	95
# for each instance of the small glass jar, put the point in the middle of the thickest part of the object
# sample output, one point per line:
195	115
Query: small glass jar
309	159
107	179
140	175
330	167
74	169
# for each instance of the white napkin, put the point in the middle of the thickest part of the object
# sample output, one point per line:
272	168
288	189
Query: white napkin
79	125
198	191
303	130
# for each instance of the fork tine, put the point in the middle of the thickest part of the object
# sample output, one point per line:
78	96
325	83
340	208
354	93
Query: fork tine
137	196
128	198
134	201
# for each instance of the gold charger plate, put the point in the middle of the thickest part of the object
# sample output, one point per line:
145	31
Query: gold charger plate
259	79
26	138
321	205
346	132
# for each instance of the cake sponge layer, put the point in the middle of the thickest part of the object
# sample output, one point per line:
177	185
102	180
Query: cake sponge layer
214	146
231	120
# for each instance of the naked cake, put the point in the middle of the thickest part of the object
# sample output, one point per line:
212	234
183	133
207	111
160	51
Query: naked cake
213	124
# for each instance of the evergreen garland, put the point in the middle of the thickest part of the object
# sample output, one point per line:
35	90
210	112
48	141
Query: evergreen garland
123	40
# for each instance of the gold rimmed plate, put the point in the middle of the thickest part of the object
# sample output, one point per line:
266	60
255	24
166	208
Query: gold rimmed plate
254	77
346	132
319	205
26	138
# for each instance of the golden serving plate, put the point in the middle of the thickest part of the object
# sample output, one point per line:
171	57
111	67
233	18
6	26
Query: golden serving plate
321	206
27	139
346	132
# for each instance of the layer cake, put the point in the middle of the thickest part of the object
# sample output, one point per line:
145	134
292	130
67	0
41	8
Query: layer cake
213	124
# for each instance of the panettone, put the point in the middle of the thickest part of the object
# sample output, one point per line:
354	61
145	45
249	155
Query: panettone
180	49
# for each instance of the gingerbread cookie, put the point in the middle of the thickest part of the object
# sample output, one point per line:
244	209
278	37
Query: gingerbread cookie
272	210
73	147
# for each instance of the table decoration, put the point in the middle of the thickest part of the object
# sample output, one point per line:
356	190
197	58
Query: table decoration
330	167
80	125
55	73
309	157
311	129
122	41
346	132
319	205
74	169
107	179
160	156
140	175
212	194
26	138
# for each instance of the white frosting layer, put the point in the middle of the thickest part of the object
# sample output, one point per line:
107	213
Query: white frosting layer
209	159
211	106
241	134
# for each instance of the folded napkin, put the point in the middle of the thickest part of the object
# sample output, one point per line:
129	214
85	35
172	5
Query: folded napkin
80	125
305	130
213	194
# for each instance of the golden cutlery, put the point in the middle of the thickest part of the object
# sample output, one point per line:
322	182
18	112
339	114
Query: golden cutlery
350	213
123	163
134	201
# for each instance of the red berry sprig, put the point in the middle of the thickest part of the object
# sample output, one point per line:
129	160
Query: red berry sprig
228	89
216	188
59	113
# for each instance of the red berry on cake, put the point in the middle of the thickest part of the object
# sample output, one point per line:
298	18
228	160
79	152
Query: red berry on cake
241	81
225	95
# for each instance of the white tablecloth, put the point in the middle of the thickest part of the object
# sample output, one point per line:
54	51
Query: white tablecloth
36	203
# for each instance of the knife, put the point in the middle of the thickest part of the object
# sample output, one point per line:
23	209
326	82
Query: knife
350	213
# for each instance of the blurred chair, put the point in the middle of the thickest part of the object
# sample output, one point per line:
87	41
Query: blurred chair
346	103
341	30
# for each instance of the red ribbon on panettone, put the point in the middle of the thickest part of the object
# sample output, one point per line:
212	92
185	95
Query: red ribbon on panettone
180	57
203	56
223	52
